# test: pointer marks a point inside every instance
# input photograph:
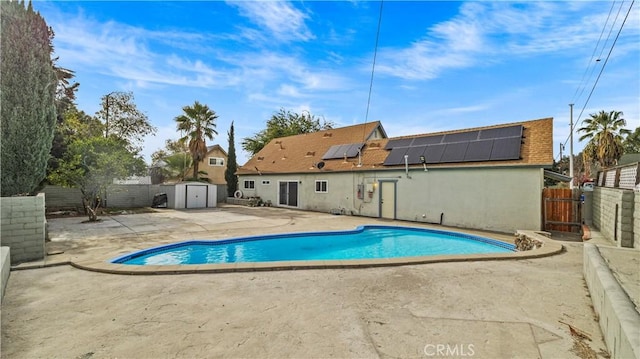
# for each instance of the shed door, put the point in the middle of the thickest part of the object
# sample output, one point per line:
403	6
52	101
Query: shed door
196	197
388	200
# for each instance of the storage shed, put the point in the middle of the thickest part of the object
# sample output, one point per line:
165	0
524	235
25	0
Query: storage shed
190	195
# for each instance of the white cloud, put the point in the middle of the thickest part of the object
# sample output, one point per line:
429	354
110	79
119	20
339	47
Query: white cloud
488	32
281	19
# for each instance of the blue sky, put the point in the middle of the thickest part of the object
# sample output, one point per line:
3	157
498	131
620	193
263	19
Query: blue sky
440	65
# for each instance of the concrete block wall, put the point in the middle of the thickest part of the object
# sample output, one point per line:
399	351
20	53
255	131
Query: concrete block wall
5	263
636	221
123	196
618	228
56	196
618	318
22	227
131	196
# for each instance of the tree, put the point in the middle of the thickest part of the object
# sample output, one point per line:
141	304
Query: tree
170	147
71	125
198	122
91	164
232	165
631	143
172	161
605	131
178	164
123	120
28	83
284	123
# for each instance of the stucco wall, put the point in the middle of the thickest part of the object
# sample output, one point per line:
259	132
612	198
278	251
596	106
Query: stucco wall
215	174
618	228
498	199
23	227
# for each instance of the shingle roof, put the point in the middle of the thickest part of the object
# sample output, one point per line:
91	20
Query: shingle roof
301	153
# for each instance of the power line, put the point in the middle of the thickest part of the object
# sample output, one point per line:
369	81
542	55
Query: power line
603	66
590	63
373	68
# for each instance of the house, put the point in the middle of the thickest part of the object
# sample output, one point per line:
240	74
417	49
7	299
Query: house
488	178
214	164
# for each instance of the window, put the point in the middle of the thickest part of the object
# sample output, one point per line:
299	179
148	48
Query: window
216	161
321	187
266	182
249	184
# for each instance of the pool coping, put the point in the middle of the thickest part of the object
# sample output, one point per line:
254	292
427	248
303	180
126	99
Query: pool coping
103	264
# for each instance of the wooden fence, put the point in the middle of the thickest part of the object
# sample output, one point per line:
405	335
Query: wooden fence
561	210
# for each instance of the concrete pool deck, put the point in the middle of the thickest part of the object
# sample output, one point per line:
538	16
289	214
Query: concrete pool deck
491	309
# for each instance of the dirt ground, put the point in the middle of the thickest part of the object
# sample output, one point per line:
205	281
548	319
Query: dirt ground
491	309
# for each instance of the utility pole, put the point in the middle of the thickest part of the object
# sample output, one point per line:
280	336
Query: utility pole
106	131
571	146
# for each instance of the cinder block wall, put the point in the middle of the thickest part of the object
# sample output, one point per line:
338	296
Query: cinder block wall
620	228
122	196
131	196
56	196
636	221
22	227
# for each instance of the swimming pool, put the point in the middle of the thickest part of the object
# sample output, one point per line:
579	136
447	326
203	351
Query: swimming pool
365	242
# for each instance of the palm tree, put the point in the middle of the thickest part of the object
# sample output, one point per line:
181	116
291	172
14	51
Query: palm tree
198	122
605	131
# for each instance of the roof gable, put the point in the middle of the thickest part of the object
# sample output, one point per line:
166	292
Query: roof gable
302	153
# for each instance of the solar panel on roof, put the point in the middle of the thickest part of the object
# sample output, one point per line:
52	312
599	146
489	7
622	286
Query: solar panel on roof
331	152
478	151
427	140
353	149
401	142
396	156
501	132
454	152
414	154
433	153
340	151
507	148
460	137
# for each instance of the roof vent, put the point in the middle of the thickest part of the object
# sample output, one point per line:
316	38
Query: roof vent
310	154
260	158
327	134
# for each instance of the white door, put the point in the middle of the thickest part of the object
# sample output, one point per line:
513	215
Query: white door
196	196
388	200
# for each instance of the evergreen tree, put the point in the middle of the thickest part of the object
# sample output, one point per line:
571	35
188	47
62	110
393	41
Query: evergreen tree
28	88
232	165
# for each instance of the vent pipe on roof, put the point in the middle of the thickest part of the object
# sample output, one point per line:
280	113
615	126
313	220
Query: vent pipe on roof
406	165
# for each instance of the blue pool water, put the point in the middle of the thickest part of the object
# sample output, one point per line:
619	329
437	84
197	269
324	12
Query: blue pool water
365	242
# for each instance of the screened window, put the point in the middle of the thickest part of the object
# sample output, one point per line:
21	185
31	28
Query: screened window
249	184
321	187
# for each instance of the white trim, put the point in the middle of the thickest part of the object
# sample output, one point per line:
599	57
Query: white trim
326	186
246	182
218	161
